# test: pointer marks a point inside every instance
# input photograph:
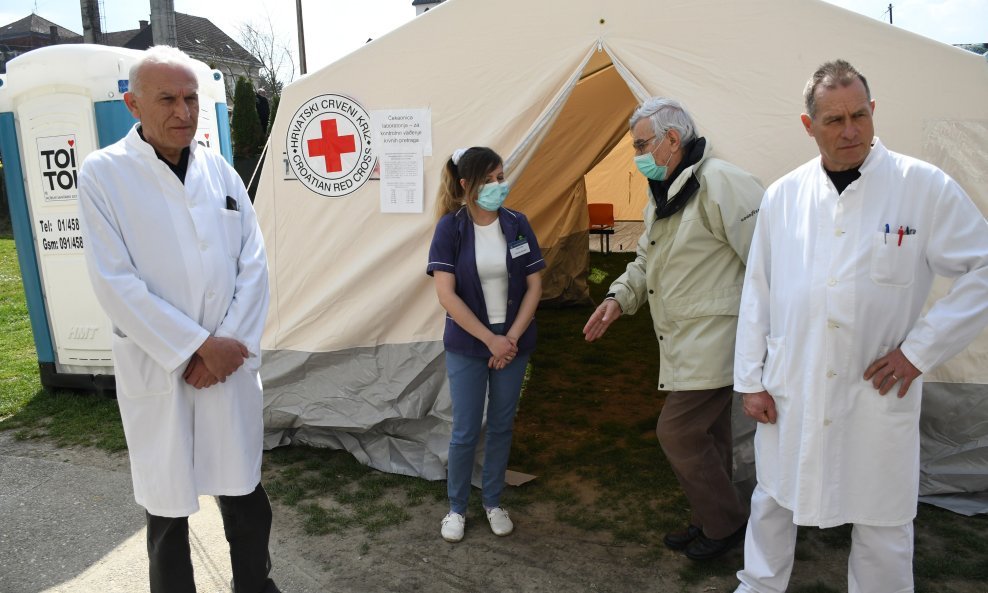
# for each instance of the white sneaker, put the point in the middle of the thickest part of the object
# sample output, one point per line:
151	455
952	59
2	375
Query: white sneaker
500	521
453	527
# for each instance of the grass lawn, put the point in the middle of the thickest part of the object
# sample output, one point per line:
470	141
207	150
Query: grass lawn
67	418
585	426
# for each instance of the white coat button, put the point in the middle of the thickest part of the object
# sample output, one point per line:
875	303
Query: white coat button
832	282
203	246
211	294
838	232
826	422
833	325
831	374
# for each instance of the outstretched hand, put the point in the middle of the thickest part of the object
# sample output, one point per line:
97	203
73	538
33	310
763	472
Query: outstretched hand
602	318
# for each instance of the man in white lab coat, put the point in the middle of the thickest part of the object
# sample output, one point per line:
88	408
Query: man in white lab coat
177	262
831	341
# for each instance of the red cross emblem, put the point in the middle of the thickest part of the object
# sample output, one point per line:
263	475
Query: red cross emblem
331	146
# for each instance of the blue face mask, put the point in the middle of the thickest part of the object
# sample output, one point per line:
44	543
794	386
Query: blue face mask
491	196
648	167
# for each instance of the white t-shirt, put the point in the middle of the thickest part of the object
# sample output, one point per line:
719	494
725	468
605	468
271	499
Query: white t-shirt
492	267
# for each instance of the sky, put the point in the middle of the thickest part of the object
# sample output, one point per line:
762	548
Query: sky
334	28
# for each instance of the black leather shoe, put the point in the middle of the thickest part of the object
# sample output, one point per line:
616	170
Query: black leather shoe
678	540
705	548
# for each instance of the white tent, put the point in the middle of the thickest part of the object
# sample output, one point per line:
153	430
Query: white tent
354	338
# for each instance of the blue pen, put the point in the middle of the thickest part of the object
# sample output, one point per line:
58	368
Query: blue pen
886	233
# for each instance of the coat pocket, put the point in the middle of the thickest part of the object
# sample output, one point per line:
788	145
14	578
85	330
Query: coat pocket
891	403
720	301
892	263
774	371
232	231
137	374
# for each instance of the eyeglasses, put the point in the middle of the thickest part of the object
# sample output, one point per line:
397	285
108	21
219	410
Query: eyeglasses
640	145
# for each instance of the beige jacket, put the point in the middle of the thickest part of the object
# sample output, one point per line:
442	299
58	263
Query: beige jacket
690	269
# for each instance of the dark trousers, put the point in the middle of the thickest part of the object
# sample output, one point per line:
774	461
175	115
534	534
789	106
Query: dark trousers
247	524
694	430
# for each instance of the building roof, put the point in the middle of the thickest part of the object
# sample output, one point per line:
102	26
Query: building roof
978	48
424	2
119	38
197	36
36	25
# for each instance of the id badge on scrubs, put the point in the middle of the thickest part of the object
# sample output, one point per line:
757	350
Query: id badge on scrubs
519	248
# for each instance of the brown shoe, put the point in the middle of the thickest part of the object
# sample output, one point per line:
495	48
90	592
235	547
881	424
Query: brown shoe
678	540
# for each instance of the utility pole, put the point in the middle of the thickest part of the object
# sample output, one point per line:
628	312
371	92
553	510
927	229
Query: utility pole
890	13
301	37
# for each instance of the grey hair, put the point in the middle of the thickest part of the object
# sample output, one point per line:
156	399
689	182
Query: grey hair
831	75
665	114
157	55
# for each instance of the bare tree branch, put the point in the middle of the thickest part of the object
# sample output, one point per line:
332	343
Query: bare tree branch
274	54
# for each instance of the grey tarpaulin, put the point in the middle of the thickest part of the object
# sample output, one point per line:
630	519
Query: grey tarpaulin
388	405
954	447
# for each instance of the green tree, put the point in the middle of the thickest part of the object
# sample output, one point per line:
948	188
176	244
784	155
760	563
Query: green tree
246	130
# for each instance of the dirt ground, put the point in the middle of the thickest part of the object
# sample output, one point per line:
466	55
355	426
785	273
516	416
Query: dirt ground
543	555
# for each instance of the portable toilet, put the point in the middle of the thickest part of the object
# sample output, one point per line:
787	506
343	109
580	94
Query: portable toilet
58	104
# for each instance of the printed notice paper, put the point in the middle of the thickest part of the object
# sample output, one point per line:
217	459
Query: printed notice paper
401	179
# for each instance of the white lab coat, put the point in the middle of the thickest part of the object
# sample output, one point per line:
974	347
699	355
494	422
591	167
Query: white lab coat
826	293
170	265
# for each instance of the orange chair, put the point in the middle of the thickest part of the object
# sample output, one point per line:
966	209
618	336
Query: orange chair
602	223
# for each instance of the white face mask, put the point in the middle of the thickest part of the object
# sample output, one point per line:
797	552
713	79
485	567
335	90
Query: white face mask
649	168
492	195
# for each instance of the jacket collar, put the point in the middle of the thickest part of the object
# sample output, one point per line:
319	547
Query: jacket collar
134	142
703	148
670	199
876	156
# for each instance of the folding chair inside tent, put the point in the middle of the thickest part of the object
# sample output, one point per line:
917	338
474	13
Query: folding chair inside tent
602	223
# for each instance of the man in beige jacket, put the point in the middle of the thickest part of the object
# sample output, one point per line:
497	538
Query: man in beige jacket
690	268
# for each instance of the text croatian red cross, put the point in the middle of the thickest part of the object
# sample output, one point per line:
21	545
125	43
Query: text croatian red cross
332	146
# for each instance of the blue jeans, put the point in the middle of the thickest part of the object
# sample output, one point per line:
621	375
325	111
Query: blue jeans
470	384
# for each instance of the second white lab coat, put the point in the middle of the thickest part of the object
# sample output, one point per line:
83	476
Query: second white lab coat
826	293
172	264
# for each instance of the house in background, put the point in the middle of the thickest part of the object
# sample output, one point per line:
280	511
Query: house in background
196	36
201	39
424	5
31	32
979	48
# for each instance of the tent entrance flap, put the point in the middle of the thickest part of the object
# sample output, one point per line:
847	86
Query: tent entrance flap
551	189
